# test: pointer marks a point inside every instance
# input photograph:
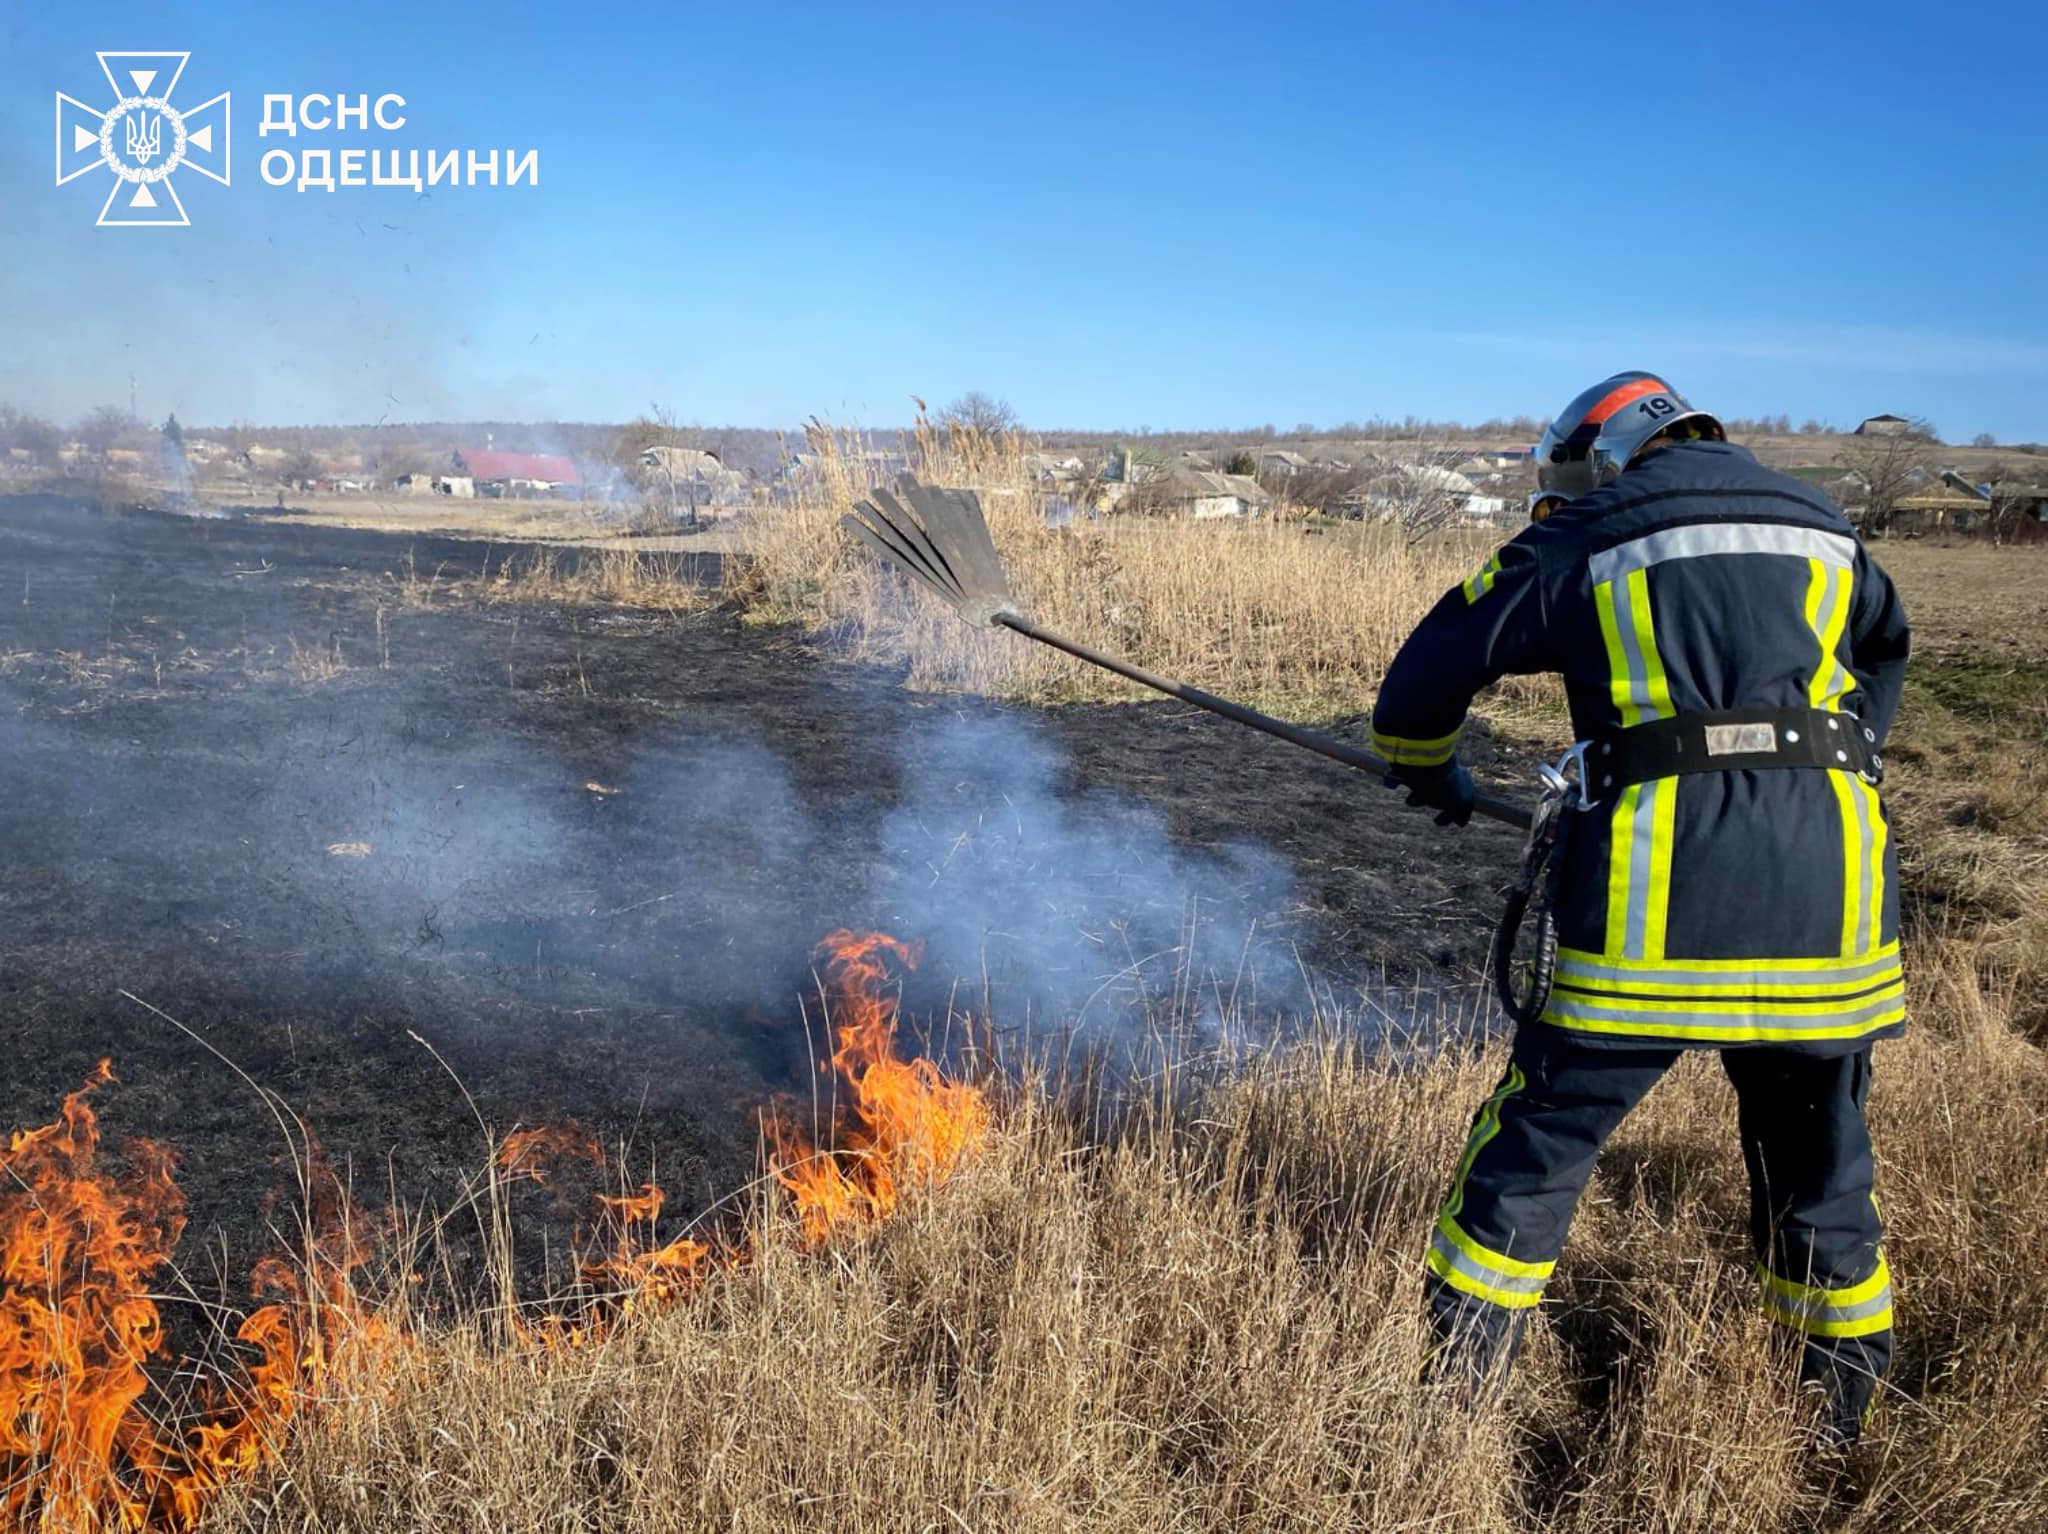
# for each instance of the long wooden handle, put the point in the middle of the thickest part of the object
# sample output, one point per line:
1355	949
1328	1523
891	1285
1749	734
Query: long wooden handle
1309	740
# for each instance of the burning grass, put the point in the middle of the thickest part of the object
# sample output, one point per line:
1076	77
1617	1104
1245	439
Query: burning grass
1188	1305
1200	1312
89	1438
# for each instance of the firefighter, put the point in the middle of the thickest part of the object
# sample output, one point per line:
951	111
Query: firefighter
1733	659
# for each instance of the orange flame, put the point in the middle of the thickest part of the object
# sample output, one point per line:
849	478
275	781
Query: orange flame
76	1321
912	1124
633	1274
639	1278
80	1453
527	1152
302	1337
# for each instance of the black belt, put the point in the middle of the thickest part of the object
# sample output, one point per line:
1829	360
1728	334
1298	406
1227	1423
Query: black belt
1739	740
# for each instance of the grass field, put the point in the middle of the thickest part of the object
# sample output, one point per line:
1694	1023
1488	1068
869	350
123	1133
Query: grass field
1185	1305
1194	1307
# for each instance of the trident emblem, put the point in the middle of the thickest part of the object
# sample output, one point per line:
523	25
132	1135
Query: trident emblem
144	141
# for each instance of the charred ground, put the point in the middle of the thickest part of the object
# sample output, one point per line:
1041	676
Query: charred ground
310	791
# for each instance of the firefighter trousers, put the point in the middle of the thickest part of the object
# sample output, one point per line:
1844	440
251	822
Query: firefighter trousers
1813	1222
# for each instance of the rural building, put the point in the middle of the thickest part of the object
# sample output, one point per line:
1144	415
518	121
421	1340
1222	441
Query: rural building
2019	497
690	474
1482	470
517	474
1884	426
1497	458
460	486
1136	466
874	465
1950	504
1429	493
1281	462
345	474
1438	480
681	462
1849	491
1206	496
1059	470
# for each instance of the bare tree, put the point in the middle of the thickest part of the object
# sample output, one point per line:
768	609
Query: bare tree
1420	501
105	428
1330	490
2012	502
976	411
395	460
30	434
1889	465
298	470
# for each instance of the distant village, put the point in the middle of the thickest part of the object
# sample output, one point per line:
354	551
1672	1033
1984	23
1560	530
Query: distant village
1890	474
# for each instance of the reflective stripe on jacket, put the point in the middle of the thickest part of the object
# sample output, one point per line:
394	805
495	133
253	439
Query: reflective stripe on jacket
1714	908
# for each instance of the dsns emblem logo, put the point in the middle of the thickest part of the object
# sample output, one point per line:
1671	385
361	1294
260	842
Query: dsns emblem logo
143	139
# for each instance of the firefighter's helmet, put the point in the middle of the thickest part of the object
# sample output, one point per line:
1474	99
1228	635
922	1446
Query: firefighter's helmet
1600	431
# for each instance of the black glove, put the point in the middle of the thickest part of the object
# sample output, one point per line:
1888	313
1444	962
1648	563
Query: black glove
1447	789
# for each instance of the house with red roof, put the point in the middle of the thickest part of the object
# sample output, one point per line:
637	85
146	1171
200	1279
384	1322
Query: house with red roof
517	474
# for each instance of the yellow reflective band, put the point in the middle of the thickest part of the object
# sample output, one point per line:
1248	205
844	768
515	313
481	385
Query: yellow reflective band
1478	585
1815	1294
1656	894
1619	686
1659	686
1560	1016
1820	1312
1853	859
1663	813
1729	1005
1506	1267
1828	589
1403	752
1862	1326
1639	845
1879	834
1508	1299
1620	865
1799	966
1484	1128
1631	990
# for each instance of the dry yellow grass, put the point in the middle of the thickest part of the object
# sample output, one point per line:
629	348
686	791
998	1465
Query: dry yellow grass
1203	1315
311	664
1277	611
613	577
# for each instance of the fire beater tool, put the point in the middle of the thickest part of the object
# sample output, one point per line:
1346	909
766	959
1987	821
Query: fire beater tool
940	539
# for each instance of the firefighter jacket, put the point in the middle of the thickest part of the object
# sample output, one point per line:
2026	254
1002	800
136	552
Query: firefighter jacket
1712	908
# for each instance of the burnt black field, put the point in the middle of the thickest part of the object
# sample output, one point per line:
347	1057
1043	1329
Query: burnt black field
255	776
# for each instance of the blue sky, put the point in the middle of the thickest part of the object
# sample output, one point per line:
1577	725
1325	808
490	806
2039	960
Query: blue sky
1173	215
